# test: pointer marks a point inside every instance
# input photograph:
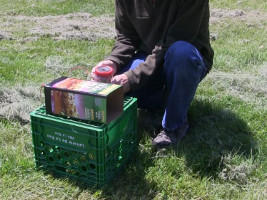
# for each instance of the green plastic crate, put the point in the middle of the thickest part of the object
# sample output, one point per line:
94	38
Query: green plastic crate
88	152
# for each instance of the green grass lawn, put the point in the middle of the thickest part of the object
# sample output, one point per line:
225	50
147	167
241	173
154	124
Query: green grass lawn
222	157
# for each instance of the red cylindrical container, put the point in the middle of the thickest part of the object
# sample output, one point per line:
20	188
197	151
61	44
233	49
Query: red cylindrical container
102	74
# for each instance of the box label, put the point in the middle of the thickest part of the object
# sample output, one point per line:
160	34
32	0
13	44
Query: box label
78	105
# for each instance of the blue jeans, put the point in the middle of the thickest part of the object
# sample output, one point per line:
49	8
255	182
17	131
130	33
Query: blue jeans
182	71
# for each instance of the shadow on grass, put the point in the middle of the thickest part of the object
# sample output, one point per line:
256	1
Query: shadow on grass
132	184
214	134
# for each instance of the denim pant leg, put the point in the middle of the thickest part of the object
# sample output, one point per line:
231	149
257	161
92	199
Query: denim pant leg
151	95
183	70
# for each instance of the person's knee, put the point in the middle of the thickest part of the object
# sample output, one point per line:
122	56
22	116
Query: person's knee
180	50
183	61
176	57
182	55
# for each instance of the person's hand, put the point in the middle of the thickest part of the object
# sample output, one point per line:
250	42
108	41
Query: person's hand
122	79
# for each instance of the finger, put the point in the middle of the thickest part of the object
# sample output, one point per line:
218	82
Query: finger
113	80
106	62
116	80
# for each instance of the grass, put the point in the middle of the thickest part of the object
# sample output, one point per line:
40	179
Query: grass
222	157
58	7
37	61
251	51
236	4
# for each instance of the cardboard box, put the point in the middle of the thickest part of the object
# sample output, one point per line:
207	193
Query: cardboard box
86	100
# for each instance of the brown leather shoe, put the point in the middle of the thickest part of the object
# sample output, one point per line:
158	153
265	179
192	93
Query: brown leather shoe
166	138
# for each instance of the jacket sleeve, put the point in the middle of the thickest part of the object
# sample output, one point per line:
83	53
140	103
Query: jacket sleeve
127	40
186	27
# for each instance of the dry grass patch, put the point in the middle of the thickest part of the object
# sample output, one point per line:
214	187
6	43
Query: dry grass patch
245	86
63	27
17	102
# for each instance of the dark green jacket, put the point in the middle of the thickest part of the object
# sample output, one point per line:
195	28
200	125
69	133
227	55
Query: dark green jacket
152	26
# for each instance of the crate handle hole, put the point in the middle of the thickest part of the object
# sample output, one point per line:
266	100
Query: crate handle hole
51	159
92	166
66	154
83	168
